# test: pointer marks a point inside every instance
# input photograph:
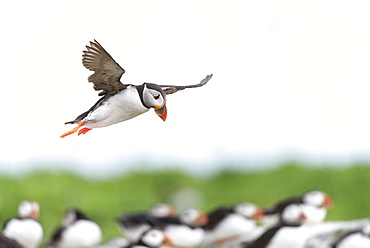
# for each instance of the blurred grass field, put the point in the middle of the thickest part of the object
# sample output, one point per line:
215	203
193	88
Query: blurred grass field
105	200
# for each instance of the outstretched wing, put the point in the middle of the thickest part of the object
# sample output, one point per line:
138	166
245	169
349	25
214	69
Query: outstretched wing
170	89
107	72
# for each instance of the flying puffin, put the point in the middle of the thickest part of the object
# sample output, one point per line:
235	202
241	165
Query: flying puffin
25	229
120	102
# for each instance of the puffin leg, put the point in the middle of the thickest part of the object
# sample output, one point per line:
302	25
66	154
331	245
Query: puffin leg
74	129
84	130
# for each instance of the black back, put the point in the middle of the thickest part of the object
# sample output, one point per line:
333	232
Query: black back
6	242
279	207
341	238
216	216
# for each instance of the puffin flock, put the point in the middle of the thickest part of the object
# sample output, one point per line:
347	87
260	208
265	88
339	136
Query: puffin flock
295	222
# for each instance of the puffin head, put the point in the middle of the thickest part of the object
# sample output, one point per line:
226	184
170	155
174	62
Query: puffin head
154	97
29	209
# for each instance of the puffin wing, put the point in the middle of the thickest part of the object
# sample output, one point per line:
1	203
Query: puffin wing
170	89
107	72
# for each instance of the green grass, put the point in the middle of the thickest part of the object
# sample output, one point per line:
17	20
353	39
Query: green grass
105	200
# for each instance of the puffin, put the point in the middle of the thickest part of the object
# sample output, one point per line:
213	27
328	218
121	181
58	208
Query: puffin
184	230
77	230
25	229
279	235
314	203
340	234
119	102
152	238
133	225
224	223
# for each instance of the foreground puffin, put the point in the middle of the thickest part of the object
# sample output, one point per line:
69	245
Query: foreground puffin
76	231
25	230
120	102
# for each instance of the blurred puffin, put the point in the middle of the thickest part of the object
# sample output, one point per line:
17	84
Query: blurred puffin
314	204
279	235
184	230
227	222
76	231
25	230
120	102
135	224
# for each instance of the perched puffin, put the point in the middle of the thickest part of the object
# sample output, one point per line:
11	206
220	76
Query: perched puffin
184	230
6	242
152	238
226	222
358	238
76	231
277	236
120	102
25	229
341	234
133	225
314	203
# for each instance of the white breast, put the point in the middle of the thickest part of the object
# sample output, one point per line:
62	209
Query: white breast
26	232
356	240
184	236
232	225
82	233
120	107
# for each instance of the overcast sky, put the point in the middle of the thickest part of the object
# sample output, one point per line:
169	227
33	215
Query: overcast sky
291	79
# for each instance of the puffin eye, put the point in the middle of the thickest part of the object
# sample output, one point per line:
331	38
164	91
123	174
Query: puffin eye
156	97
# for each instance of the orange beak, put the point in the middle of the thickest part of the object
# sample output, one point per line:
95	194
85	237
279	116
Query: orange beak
260	213
167	241
203	219
162	112
328	202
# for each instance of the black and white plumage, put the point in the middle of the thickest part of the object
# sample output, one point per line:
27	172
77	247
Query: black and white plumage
314	203
339	234
76	231
152	238
227	222
134	224
25	229
184	230
279	236
6	242
120	102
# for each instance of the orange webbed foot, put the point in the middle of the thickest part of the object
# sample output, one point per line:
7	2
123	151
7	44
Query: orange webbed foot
84	130
74	129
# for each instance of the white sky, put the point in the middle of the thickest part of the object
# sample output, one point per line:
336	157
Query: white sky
291	78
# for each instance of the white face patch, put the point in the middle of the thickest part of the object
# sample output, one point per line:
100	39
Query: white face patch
315	198
246	209
292	214
190	216
25	209
153	98
153	238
